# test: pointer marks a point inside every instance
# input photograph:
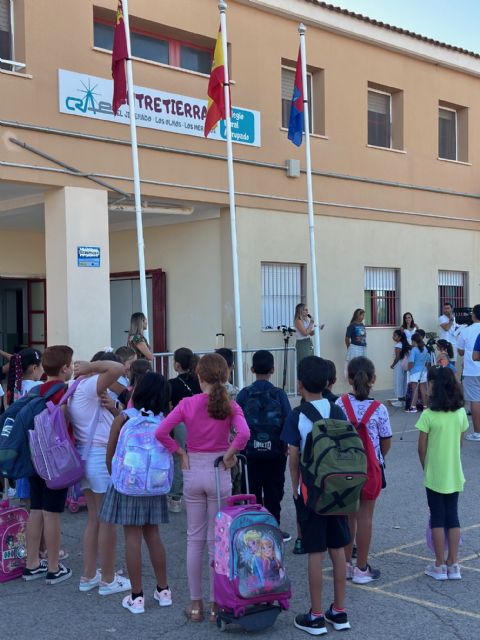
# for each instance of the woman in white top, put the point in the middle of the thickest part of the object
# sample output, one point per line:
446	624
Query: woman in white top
408	326
89	413
304	329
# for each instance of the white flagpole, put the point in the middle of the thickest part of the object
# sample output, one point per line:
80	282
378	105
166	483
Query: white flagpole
231	191
136	170
311	218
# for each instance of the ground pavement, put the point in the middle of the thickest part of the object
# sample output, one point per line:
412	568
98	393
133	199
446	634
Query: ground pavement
403	604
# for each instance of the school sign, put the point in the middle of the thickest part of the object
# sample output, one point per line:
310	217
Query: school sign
90	97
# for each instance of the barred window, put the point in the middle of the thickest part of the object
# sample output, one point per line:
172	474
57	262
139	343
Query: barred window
452	287
379	119
381	297
6	34
283	288
288	83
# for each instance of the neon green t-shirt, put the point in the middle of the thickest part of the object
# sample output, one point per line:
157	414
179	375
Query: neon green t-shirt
443	465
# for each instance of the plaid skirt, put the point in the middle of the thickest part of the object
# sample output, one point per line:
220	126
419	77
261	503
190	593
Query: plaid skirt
118	508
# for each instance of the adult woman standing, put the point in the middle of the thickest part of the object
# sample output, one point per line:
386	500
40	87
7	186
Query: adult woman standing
136	339
304	329
408	326
356	336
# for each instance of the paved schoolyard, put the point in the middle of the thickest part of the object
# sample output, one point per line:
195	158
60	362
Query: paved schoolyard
403	604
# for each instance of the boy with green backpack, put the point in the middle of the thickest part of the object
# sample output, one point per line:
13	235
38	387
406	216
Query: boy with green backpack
327	468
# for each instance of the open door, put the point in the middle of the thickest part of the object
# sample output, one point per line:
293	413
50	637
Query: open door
37	313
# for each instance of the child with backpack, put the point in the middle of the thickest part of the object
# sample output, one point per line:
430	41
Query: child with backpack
46	505
319	532
372	421
209	418
265	408
442	427
140	508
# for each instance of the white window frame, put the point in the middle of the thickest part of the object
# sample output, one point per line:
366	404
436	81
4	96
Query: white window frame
309	95
390	114
455	111
299	296
14	64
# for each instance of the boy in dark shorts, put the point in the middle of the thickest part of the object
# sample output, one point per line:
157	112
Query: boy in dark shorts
46	504
319	533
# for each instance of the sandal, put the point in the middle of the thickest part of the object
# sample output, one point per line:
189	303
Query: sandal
194	614
213	613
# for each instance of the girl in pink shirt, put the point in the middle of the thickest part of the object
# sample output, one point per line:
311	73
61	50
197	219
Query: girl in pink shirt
209	418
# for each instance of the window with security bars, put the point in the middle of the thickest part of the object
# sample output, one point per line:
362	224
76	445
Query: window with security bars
447	134
381	297
379	119
288	82
452	287
283	287
6	35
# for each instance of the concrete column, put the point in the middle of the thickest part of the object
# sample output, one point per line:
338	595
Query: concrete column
78	297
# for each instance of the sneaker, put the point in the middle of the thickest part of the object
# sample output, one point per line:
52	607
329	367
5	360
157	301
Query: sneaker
286	536
118	584
164	598
315	627
473	437
338	620
354	552
63	573
397	403
363	577
412	410
12	492
39	572
437	573
298	549
174	504
349	571
134	606
88	585
453	572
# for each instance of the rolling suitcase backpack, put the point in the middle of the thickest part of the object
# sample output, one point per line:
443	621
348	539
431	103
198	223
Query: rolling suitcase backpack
251	586
13	546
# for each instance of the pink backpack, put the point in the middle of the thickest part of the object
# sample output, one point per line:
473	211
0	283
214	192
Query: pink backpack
13	545
54	456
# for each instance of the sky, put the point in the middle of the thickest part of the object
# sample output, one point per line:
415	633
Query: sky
454	22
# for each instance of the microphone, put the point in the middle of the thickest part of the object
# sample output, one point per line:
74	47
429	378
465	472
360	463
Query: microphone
309	316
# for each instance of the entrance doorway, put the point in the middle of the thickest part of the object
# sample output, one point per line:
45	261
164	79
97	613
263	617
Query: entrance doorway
22	314
125	300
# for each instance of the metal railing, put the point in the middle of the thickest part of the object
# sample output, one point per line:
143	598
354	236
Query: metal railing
283	360
13	64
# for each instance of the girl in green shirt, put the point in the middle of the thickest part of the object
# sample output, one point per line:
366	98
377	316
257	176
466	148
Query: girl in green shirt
442	427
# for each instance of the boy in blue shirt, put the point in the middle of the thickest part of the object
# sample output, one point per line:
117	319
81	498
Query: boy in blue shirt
319	533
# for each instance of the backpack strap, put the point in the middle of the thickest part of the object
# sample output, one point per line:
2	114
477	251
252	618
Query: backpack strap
70	391
310	411
351	413
50	393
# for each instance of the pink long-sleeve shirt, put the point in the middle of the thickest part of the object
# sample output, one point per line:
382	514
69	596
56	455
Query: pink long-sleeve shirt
204	434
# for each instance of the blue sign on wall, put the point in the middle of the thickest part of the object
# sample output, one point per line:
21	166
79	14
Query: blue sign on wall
243	127
88	256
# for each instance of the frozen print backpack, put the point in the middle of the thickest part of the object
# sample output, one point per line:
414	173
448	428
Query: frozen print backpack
141	466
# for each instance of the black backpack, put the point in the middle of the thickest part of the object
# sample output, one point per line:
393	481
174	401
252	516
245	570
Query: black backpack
264	416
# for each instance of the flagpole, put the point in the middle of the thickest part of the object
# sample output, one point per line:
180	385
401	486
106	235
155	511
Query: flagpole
311	218
222	6
136	171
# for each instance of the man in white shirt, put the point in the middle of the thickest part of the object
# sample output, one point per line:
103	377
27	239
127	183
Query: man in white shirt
471	371
448	327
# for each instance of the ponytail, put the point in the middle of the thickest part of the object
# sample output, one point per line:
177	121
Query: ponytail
361	374
15	378
218	403
213	370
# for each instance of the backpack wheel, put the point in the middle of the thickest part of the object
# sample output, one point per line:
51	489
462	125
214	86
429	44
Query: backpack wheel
221	624
73	507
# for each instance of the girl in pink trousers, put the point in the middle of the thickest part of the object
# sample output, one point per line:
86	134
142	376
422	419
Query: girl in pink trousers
209	418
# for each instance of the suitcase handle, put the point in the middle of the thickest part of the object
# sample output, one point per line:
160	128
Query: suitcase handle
247	498
216	464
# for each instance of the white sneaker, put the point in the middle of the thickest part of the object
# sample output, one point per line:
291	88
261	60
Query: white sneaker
88	585
174	504
397	403
118	584
134	606
437	573
473	437
12	492
164	598
453	572
349	571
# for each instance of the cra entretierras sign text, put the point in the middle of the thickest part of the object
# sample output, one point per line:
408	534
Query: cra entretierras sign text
88	96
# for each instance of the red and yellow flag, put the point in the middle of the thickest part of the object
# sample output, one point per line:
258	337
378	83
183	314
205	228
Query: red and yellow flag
216	94
119	56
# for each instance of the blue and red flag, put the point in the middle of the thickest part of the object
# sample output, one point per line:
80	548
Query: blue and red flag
295	124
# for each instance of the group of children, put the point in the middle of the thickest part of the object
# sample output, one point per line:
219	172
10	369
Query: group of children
198	421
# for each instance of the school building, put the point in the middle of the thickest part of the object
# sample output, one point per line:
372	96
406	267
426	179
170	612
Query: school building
395	123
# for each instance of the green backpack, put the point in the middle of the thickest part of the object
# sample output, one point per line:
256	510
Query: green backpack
333	465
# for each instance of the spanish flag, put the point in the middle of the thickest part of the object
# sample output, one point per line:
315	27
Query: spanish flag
216	95
119	56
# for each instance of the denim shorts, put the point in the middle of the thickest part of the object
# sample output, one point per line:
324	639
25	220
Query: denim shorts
96	478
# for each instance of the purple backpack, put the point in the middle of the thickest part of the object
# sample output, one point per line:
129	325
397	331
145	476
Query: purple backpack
53	454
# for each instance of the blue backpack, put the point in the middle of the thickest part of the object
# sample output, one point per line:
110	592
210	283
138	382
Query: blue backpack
15	459
264	415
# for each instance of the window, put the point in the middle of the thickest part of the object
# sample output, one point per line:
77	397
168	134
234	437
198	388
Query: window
153	46
288	83
379	119
452	287
452	132
283	287
6	35
381	297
